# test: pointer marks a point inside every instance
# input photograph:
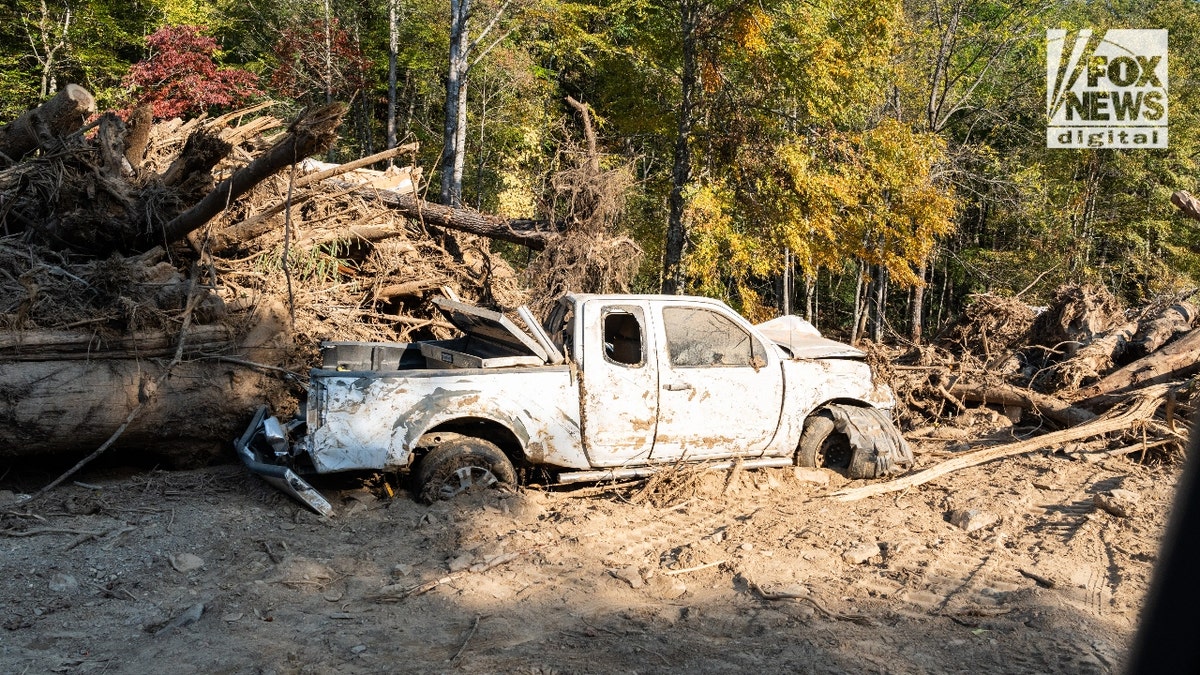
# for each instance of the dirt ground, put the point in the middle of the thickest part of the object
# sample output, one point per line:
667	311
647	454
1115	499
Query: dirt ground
755	571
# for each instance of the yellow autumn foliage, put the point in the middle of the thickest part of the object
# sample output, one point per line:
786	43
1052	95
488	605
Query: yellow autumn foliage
871	196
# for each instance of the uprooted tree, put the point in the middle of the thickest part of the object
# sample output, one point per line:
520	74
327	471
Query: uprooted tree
161	280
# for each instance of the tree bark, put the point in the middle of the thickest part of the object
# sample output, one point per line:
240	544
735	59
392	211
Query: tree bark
1049	407
1093	359
460	11
63	407
393	54
918	303
1178	360
60	345
1155	333
533	234
57	117
681	172
311	133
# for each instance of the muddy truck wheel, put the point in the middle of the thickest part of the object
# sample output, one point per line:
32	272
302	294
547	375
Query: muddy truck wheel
461	464
822	445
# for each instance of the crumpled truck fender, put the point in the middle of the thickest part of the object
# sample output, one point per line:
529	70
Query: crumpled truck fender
810	384
365	421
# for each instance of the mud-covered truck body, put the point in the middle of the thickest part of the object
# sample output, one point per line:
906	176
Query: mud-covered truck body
610	386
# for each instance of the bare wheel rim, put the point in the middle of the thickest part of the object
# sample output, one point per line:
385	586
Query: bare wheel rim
464	479
835	451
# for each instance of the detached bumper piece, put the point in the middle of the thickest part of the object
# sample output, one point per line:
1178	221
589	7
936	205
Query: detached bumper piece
260	445
879	449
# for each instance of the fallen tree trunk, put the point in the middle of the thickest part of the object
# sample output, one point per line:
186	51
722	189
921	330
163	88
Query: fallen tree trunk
58	408
57	117
1142	407
1177	318
533	234
1050	407
311	133
1093	358
54	345
1178	360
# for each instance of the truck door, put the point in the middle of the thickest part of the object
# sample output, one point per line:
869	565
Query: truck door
619	384
721	390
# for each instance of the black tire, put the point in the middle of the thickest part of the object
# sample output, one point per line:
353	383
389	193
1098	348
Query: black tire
460	464
822	445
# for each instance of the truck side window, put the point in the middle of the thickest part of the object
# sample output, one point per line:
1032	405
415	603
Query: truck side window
622	338
700	337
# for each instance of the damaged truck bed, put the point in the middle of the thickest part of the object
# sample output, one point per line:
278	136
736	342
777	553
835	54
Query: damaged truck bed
611	386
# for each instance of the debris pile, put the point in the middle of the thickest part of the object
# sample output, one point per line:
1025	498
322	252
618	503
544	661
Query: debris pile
1102	379
187	271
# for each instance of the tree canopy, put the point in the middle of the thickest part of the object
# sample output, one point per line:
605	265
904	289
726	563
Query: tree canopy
868	162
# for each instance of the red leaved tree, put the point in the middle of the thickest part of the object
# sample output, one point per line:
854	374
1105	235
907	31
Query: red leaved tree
181	77
319	59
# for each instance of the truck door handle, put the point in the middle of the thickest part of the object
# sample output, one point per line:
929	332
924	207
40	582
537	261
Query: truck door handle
677	387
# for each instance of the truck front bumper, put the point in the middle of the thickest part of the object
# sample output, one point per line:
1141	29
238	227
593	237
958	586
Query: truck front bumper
256	450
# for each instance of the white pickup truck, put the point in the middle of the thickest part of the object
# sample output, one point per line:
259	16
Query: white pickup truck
611	386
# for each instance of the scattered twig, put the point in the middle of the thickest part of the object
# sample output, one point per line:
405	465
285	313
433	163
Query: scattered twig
395	592
697	568
1041	580
471	634
816	604
47	530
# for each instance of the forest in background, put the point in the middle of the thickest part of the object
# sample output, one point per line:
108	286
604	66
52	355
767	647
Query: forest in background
881	159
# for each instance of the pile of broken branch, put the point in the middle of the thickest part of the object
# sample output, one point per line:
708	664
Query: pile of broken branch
1101	379
185	271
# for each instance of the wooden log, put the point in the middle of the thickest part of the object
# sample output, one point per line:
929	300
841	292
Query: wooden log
407	288
52	345
312	132
202	151
356	164
1177	318
59	116
1179	359
1093	358
137	134
533	234
1049	407
67	408
1141	408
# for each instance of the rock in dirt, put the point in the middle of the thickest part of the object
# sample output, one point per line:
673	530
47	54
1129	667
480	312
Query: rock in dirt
629	575
63	583
861	553
186	562
1120	503
971	520
192	615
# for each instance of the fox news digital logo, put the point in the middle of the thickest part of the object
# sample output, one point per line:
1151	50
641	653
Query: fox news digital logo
1106	89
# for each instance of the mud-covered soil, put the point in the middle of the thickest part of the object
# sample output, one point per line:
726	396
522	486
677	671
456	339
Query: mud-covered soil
213	571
